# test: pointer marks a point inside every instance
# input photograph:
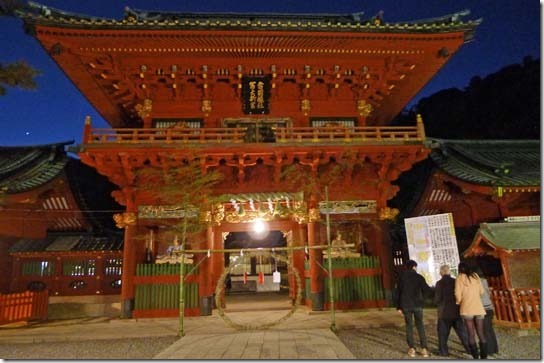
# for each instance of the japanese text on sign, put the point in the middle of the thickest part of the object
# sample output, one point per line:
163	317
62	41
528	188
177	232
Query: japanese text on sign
256	92
432	243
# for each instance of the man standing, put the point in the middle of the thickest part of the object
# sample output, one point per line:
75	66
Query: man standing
448	313
410	299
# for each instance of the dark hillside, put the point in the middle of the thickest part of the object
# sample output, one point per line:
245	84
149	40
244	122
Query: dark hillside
502	105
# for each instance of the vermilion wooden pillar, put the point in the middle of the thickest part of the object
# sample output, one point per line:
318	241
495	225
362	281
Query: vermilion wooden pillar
217	260
205	289
505	270
316	259
129	271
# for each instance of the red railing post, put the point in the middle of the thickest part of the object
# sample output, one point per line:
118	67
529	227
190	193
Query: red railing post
420	128
87	130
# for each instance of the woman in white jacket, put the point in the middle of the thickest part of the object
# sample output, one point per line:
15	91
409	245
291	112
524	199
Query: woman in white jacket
468	291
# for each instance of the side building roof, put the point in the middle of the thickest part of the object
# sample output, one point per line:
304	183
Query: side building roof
23	168
489	162
493	163
66	243
515	236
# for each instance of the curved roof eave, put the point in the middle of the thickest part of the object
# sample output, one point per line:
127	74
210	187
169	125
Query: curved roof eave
38	14
489	162
23	168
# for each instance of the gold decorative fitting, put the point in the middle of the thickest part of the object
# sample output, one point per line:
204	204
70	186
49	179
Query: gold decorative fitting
144	110
388	213
206	106
305	106
364	108
313	215
218	214
123	220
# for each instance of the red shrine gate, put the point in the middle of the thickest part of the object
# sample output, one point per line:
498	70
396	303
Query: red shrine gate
252	96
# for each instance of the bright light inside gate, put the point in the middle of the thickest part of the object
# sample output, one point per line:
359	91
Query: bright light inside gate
258	226
259	230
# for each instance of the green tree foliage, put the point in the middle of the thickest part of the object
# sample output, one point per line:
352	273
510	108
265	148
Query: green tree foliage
301	178
10	7
185	186
17	74
502	105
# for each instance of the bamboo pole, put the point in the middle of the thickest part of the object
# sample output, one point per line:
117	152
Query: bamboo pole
181	288
329	260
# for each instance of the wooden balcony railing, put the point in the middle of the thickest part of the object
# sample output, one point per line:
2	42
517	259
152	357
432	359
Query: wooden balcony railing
517	307
165	135
238	135
349	134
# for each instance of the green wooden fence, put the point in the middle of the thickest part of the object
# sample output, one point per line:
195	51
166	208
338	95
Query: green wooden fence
352	288
164	294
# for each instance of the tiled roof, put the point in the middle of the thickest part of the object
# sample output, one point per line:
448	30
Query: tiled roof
490	162
511	236
68	243
149	19
64	243
23	168
29	245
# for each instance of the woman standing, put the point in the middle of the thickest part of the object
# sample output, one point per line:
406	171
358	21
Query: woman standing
468	291
491	337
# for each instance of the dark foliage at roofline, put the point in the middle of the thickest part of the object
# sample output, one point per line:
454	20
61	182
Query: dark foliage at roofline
502	105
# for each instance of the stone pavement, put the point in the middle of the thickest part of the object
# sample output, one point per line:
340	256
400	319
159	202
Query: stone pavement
304	335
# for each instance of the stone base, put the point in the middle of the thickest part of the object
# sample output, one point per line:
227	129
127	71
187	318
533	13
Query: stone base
72	307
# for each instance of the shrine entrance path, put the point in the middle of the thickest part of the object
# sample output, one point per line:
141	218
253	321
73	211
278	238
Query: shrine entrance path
305	335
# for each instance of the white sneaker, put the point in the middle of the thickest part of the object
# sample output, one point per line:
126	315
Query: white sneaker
412	352
424	352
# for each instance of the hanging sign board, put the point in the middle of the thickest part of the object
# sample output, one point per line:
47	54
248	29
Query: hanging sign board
432	243
276	277
256	95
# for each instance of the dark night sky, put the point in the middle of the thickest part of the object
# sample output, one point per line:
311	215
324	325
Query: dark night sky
56	111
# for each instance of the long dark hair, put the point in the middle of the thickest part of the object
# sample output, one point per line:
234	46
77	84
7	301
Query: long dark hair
467	269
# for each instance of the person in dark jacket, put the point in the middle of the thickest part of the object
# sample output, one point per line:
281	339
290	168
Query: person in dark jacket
448	313
410	299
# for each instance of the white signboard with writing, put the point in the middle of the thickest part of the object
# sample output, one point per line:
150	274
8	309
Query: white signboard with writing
432	243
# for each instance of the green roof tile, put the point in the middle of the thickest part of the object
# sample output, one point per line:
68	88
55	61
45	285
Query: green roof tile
24	168
151	19
489	162
511	236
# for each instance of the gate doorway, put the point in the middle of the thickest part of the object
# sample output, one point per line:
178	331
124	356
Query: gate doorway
256	282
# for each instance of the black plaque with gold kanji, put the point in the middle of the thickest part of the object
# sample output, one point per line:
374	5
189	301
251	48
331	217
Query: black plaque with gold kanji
256	95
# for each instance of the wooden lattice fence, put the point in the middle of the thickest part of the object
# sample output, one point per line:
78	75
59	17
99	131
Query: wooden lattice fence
23	306
517	307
